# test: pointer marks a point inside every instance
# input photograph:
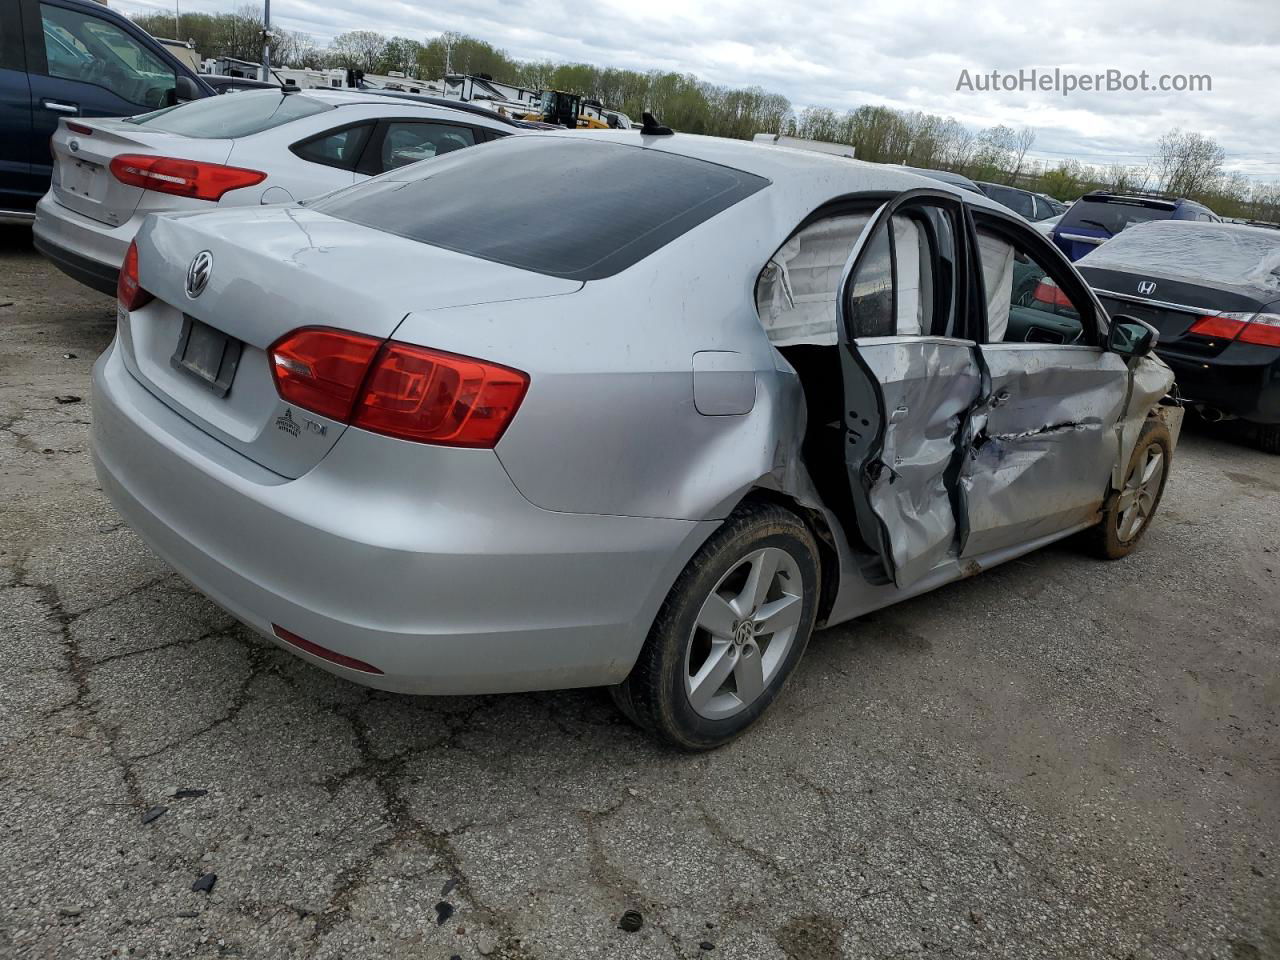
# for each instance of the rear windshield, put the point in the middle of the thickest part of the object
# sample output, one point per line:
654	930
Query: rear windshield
217	118
562	206
1218	252
1111	216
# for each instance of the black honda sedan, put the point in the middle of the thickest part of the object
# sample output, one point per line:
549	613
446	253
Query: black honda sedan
1213	292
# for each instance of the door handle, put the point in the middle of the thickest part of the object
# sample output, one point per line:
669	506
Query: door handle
1000	399
58	107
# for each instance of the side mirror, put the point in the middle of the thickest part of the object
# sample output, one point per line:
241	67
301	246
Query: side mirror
1131	337
185	88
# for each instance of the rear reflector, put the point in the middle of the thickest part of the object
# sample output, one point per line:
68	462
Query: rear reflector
128	290
182	178
397	389
80	128
341	659
1262	329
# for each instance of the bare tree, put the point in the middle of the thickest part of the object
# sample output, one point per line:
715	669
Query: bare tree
359	50
1189	163
1020	143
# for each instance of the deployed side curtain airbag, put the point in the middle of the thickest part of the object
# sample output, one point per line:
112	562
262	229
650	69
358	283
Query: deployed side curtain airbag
997	277
912	286
796	295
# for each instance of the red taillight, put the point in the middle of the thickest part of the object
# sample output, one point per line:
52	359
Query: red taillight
128	290
1265	334
80	128
183	178
433	397
324	653
1219	328
1262	329
321	369
396	389
1049	292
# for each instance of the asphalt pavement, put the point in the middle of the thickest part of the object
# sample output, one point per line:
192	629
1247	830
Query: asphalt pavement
1059	758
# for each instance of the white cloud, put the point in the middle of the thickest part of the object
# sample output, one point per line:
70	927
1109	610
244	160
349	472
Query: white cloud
909	55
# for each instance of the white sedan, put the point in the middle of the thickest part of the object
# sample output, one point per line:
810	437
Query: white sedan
254	148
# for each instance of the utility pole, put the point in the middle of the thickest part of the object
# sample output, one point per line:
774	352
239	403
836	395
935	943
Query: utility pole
266	40
177	26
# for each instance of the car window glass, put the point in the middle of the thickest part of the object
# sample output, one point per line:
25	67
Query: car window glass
870	305
1111	216
80	46
410	141
613	204
239	116
1024	303
339	148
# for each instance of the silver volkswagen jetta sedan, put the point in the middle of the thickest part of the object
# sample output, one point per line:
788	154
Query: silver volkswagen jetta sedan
612	409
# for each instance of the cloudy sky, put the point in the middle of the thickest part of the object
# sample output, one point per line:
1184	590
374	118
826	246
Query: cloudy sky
901	54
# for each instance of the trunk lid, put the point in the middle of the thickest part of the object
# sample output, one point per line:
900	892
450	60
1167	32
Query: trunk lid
275	269
82	178
1170	304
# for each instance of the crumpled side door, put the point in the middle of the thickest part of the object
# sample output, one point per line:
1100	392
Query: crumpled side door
917	391
907	397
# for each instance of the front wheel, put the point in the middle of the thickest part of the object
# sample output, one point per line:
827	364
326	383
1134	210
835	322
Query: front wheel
1130	510
730	632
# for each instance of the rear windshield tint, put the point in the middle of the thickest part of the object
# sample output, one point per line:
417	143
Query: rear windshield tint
1110	216
562	206
217	118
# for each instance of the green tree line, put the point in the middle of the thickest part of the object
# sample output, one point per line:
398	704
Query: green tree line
1183	163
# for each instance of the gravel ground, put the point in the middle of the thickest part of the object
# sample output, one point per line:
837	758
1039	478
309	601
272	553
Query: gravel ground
1059	758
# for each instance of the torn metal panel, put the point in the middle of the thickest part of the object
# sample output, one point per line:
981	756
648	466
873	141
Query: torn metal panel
1044	442
1150	381
926	388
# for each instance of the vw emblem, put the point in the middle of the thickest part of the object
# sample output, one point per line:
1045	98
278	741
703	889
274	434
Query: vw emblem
1147	287
74	145
198	273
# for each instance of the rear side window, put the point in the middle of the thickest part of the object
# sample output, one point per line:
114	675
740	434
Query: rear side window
337	148
562	206
408	141
1111	216
217	118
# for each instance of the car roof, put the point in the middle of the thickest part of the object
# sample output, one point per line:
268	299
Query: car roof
342	97
451	105
795	169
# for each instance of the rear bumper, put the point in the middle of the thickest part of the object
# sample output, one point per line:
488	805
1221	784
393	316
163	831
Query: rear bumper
1249	389
82	248
425	562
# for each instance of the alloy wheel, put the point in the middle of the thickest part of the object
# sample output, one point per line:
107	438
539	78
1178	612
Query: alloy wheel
1141	488
743	633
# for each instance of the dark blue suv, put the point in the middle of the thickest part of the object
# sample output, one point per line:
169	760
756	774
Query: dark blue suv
69	58
1098	216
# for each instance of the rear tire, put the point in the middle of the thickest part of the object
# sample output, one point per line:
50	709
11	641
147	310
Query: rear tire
730	632
1129	511
1268	437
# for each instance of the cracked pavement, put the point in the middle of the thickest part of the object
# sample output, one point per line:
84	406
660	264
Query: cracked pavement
1061	757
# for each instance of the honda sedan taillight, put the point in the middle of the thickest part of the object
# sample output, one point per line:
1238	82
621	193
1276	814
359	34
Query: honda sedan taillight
182	178
397	389
1262	329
